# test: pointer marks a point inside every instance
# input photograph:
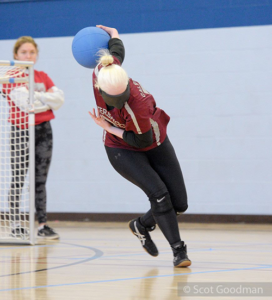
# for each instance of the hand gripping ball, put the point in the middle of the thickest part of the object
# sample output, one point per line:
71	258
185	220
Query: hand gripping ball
86	43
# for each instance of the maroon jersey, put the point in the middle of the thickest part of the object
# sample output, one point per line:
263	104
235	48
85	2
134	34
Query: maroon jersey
139	114
19	118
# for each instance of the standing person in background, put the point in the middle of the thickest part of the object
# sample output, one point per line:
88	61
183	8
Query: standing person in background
47	98
138	148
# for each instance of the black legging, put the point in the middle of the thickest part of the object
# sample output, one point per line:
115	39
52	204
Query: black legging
155	171
19	165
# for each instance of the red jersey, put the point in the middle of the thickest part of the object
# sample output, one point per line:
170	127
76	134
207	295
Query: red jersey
42	83
139	114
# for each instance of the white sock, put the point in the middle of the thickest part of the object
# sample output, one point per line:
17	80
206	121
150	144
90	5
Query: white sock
40	227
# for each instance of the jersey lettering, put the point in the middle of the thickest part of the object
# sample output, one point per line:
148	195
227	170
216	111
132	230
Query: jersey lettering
142	91
106	114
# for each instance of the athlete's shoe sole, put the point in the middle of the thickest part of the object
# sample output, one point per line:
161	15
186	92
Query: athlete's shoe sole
180	255
185	263
48	237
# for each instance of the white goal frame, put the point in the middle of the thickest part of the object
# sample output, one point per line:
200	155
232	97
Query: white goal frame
5	216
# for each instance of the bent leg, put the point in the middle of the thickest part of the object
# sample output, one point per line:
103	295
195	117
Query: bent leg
135	167
164	160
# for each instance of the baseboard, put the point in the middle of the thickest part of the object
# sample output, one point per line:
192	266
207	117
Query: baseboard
187	218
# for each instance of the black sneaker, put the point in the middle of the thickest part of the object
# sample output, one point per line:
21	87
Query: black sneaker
20	232
142	234
180	255
47	233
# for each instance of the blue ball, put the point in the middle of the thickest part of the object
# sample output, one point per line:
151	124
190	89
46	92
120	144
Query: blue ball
86	43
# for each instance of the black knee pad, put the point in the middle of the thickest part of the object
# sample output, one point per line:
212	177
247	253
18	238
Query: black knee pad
161	205
180	210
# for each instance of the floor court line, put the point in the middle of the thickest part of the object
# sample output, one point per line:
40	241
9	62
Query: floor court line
98	254
228	243
134	278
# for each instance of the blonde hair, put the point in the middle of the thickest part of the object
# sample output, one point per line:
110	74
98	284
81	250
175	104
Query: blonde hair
22	40
111	75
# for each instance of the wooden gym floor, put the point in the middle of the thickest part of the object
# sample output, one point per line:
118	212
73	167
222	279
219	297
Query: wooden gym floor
105	261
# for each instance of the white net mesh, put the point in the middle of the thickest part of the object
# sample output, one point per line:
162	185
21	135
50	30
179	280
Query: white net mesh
14	157
11	71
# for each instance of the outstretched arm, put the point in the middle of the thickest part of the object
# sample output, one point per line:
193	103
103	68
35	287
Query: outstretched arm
111	31
116	46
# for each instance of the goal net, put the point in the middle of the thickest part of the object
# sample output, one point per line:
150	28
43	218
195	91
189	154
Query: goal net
17	158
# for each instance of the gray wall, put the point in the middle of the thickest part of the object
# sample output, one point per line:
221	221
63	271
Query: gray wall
216	86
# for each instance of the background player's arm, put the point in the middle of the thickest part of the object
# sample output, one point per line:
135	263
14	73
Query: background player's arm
20	97
42	101
53	98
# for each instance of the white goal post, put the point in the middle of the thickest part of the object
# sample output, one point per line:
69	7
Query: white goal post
17	153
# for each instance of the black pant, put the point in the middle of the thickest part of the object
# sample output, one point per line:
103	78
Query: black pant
155	171
19	150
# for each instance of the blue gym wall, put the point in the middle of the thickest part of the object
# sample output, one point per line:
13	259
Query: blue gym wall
208	64
66	18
